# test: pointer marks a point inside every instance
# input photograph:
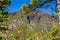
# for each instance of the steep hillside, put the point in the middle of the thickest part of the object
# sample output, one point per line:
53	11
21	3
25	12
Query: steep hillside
35	25
35	18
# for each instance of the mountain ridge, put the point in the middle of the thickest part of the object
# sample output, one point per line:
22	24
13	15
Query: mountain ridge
33	18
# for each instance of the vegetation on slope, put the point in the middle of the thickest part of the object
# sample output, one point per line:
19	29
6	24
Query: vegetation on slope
35	25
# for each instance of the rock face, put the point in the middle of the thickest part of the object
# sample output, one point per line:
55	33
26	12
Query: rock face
36	19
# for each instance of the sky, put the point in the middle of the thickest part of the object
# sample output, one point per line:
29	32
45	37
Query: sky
16	5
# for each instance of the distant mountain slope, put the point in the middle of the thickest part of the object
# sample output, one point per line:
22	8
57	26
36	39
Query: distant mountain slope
36	19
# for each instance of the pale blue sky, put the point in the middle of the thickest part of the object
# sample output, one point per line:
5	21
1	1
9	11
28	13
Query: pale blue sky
16	5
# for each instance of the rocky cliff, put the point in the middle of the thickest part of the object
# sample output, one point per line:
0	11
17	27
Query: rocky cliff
35	18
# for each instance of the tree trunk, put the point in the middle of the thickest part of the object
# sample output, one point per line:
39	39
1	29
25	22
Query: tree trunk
58	10
59	20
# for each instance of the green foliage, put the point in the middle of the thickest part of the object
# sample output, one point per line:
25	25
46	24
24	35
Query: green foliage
3	18
54	34
34	1
27	8
54	15
0	38
24	10
36	4
3	15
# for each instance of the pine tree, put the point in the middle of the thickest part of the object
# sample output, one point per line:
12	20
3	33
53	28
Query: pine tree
3	17
34	4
